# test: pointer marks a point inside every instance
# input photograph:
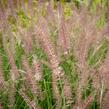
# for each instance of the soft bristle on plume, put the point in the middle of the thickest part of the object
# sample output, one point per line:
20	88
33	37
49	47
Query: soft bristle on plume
11	6
30	78
50	16
26	37
44	37
12	64
38	70
1	74
104	72
31	104
63	35
29	75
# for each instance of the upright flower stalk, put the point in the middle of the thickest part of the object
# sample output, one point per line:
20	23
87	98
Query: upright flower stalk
44	37
1	75
63	38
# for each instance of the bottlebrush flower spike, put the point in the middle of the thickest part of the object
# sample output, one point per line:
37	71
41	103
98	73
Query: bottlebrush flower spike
50	16
12	63
67	91
85	104
30	76
89	35
10	51
31	7
38	69
88	102
1	74
3	15
44	37
40	5
11	6
104	72
14	74
23	6
63	37
31	104
26	37
30	79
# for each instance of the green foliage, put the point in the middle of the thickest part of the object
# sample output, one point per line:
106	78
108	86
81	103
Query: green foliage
24	19
4	99
68	11
6	66
88	89
97	55
20	102
46	84
95	105
70	68
102	21
19	53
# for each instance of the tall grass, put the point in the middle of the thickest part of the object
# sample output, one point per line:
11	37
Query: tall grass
53	55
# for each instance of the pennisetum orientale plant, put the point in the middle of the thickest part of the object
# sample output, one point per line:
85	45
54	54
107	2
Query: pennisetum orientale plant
37	39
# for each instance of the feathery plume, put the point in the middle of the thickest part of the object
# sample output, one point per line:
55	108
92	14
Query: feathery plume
104	72
23	6
88	36
31	7
31	104
85	104
44	37
38	69
29	76
12	64
63	36
67	91
11	6
50	16
12	92
26	37
88	102
1	75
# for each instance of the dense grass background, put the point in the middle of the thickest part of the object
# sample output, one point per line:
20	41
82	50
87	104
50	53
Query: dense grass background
16	49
